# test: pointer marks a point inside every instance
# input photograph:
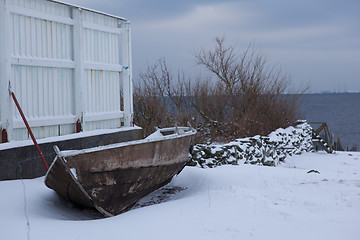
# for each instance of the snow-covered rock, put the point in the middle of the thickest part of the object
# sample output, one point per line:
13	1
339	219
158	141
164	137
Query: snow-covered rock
262	150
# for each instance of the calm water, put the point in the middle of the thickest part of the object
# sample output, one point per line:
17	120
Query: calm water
341	111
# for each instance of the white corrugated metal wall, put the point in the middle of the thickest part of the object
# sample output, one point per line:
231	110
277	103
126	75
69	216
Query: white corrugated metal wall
64	64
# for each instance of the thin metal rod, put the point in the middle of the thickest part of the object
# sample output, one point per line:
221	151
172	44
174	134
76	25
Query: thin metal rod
29	130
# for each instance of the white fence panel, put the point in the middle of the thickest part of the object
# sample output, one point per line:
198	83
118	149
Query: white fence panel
64	65
102	66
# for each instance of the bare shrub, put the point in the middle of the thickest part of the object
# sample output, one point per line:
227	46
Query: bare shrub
160	100
244	97
255	93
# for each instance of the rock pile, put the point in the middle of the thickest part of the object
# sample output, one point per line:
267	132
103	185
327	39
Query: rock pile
262	150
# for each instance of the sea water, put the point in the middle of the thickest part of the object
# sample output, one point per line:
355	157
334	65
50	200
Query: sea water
341	111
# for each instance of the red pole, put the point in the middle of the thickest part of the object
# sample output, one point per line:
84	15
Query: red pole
29	129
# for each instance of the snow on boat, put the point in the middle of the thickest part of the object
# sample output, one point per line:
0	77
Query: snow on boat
113	178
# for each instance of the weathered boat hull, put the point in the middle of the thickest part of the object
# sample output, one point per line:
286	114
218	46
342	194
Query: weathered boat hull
113	178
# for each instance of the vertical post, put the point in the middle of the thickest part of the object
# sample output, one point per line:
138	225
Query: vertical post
6	111
127	74
79	70
3	77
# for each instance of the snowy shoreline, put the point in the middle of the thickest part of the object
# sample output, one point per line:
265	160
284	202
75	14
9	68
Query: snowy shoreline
227	202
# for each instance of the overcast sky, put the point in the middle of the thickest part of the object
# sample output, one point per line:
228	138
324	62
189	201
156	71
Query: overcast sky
316	41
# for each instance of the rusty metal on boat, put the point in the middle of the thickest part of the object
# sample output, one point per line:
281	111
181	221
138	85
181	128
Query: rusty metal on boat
113	178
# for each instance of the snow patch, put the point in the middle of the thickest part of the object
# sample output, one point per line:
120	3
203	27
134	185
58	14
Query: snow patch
73	171
23	143
228	202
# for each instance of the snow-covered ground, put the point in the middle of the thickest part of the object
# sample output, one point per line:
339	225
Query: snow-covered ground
227	202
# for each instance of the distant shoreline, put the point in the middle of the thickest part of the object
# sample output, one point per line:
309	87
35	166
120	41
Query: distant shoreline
319	93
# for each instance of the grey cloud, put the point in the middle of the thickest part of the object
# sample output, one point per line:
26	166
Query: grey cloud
315	40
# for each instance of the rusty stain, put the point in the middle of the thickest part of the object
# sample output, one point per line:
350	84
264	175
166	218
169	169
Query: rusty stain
4	136
91	76
78	126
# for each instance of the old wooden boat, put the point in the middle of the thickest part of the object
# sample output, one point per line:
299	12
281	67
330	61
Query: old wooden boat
113	178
